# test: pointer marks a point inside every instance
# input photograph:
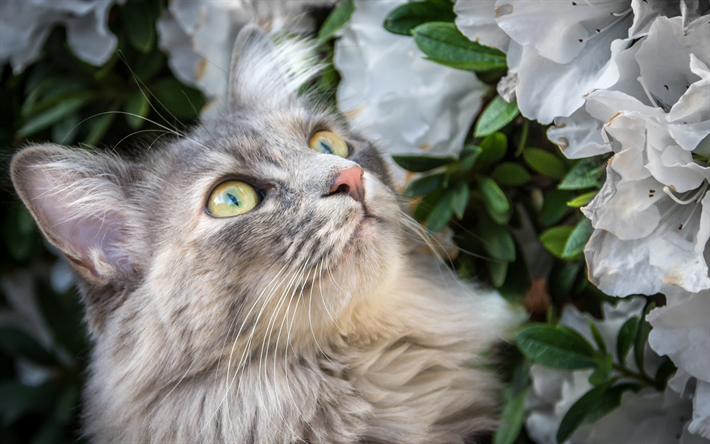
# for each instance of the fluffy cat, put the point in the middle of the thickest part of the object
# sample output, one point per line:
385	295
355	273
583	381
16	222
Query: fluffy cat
302	315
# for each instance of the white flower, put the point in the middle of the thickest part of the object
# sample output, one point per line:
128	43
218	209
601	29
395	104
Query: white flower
390	93
681	331
644	417
198	36
24	26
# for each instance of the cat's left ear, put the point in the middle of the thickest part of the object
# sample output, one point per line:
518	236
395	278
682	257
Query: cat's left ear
265	75
78	200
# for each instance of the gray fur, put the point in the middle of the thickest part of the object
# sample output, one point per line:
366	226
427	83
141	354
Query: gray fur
285	324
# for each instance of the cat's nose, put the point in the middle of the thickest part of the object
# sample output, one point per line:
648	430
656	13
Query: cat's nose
349	181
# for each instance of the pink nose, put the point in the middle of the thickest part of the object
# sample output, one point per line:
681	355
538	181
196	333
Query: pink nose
349	181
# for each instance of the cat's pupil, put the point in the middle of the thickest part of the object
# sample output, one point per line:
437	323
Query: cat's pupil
326	148
234	200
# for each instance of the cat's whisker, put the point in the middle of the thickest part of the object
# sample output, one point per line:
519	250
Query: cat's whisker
310	303
325	306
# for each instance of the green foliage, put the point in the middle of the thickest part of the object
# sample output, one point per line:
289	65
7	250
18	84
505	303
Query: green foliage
497	114
336	20
403	19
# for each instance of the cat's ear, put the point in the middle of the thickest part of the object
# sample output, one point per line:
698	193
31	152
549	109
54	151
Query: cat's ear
77	199
264	75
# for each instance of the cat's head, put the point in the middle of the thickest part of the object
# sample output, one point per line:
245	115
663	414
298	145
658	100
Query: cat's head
271	216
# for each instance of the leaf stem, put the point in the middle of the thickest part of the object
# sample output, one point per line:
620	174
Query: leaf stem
629	374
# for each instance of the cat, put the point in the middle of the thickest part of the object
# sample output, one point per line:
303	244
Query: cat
255	281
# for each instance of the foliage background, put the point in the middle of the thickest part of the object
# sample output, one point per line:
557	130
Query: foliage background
509	191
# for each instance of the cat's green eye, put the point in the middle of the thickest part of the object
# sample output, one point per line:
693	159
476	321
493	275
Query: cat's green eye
232	198
329	143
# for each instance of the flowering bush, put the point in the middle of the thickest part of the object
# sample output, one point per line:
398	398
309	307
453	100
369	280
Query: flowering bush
501	120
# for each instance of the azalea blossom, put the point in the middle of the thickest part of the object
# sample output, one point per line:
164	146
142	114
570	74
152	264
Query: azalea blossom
25	25
391	94
644	417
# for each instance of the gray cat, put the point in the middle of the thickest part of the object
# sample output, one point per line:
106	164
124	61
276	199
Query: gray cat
253	281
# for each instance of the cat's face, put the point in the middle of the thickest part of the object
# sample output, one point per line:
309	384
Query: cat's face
244	229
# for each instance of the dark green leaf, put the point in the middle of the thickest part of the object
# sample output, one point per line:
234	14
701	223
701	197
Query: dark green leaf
19	344
494	199
137	107
98	126
582	200
562	278
556	346
598	339
602	374
19	232
16	400
497	114
444	43
642	337
626	338
147	66
517	281
555	239
498	271
595	404
336	20
423	186
554	207
179	100
493	149
426	206
460	199
52	91
469	156
544	163
585	174
578	239
138	20
442	212
511	421
496	240
64	132
664	373
403	19
420	164
510	174
51	116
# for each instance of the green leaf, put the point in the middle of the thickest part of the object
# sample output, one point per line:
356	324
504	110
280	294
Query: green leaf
544	163
555	240
594	405
52	91
584	174
493	149
147	66
443	43
137	107
510	174
468	157
20	232
19	344
626	337
426	206
562	278
403	19
498	271
51	116
138	21
460	199
336	20
16	400
642	337
65	131
598	339
578	239
442	212
582	199
497	114
664	373
420	164
517	280
494	199
556	346
180	100
497	241
602	374
511	421
554	207
423	186
98	126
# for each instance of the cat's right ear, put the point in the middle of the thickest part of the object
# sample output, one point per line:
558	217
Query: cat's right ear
78	201
267	76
